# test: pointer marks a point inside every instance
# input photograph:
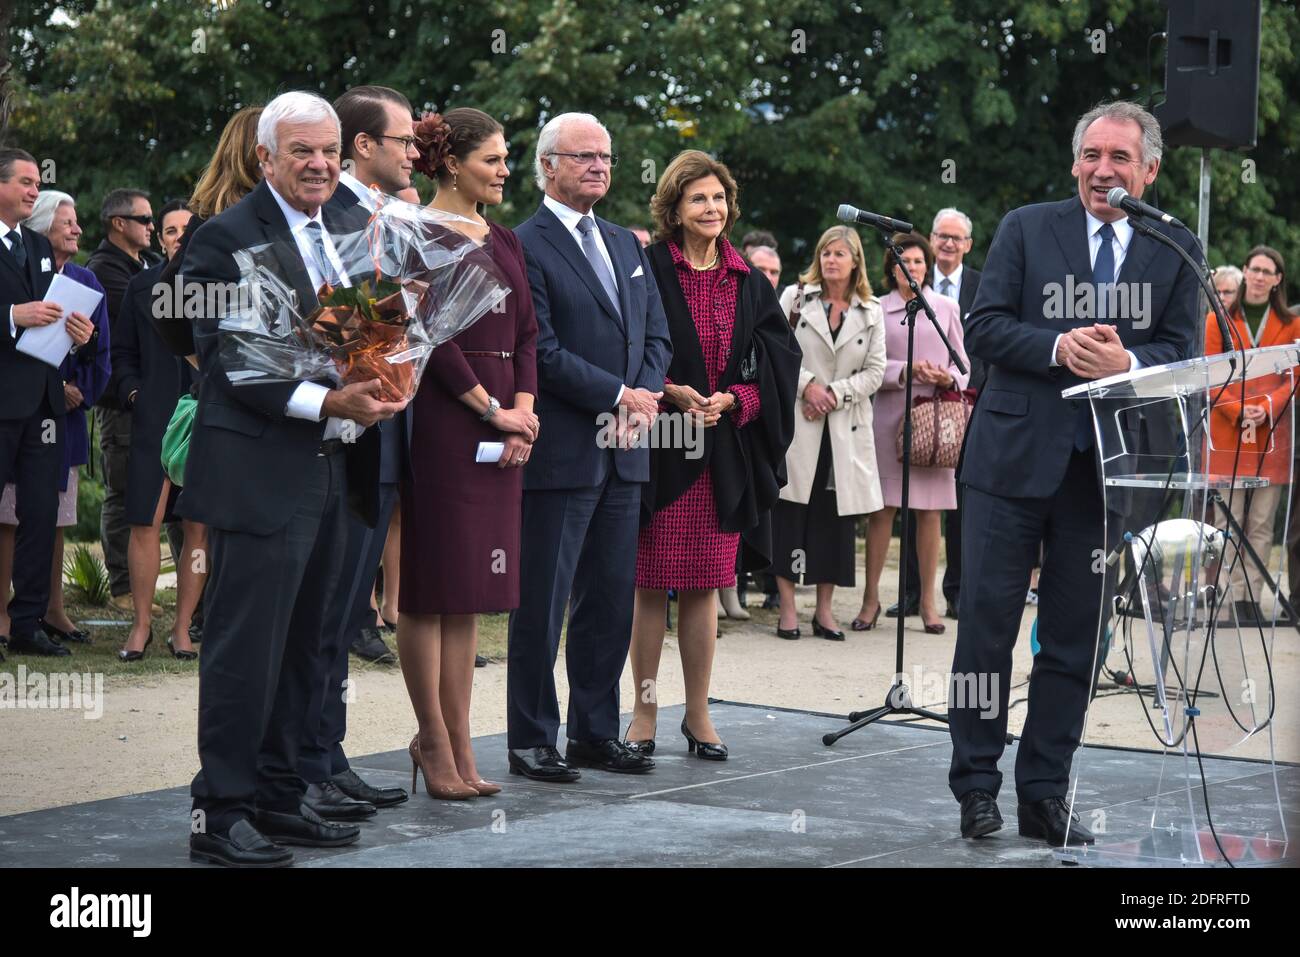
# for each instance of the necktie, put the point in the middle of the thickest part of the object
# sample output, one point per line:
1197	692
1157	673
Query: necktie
17	248
945	287
1103	278
323	265
590	250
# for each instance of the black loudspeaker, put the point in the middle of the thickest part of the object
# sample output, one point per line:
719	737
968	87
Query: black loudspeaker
1211	74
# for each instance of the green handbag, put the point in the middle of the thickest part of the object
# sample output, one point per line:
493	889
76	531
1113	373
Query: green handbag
176	440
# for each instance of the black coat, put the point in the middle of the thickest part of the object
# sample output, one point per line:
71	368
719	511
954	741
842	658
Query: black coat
24	378
143	364
244	450
115	269
747	465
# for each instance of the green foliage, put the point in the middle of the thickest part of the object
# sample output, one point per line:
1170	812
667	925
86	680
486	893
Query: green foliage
84	571
90	502
904	109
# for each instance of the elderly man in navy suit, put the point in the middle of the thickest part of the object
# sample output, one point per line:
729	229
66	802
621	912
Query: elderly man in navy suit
602	347
1030	469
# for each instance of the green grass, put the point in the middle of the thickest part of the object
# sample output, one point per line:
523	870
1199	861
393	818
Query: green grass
101	655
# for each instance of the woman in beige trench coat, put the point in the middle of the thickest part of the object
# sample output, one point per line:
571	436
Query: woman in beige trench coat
832	462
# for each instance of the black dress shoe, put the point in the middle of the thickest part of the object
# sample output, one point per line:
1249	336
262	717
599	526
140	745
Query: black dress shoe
306	828
37	643
771	602
244	846
979	814
607	755
1050	820
913	609
371	647
350	784
333	805
541	764
951	611
827	633
196	634
75	635
707	750
480	661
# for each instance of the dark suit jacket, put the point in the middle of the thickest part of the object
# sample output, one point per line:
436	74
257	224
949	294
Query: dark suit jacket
970	284
23	377
1021	434
244	450
586	350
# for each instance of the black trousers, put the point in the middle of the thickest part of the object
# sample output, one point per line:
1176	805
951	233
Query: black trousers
114	530
265	608
31	456
1002	537
578	550
326	724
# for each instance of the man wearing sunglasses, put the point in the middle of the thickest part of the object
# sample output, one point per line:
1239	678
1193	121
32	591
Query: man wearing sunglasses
124	252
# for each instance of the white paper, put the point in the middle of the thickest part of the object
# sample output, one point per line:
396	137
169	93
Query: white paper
490	451
51	344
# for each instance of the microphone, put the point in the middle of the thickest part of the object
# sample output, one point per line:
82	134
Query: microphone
1120	199
851	214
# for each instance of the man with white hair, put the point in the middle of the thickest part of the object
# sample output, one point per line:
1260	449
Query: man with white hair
1030	465
602	347
270	470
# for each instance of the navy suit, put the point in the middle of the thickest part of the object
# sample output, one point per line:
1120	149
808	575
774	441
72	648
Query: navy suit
32	424
1027	484
581	501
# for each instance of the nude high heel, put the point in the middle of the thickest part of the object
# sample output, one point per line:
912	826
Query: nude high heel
445	792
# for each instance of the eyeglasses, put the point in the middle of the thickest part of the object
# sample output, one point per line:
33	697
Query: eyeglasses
587	157
950	238
142	219
406	141
1256	271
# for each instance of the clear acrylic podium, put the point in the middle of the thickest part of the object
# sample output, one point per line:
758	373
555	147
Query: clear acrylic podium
1184	449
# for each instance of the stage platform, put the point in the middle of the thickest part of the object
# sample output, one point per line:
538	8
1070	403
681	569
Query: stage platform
878	798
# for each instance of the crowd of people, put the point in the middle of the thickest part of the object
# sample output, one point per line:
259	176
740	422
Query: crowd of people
294	496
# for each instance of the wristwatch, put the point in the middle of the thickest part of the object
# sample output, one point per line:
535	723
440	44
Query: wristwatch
493	406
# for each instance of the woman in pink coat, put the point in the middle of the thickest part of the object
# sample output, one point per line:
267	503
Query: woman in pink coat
933	490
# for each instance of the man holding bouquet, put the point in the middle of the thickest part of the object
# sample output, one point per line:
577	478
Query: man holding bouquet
268	473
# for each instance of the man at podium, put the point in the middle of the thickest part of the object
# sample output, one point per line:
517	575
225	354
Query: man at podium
1069	293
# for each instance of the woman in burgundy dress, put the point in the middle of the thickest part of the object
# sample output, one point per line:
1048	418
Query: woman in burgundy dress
717	458
461	517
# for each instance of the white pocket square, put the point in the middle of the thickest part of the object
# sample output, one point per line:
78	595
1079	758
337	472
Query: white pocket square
45	265
639	272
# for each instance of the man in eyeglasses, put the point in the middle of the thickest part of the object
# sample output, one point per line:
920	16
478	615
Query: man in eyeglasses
124	252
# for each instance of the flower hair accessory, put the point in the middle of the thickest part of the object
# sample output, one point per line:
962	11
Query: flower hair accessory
433	140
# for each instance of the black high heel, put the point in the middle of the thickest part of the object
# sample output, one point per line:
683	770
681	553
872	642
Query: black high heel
125	655
646	746
182	655
76	634
858	624
789	634
708	750
827	633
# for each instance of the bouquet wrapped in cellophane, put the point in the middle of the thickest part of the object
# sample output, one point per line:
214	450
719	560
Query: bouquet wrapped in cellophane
410	280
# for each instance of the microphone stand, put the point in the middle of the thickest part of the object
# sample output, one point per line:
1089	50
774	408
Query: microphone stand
898	700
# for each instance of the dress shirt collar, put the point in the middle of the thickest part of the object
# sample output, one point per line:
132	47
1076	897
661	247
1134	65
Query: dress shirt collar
939	276
359	189
296	218
566	214
1123	229
5	231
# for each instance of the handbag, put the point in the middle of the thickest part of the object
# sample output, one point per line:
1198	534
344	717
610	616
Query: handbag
938	428
176	439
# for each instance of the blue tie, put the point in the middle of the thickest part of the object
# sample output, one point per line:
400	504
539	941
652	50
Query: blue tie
589	249
323	264
1103	278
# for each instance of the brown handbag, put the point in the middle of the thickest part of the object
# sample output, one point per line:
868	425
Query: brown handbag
938	428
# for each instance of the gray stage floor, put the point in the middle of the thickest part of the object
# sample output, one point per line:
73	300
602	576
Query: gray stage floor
878	798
